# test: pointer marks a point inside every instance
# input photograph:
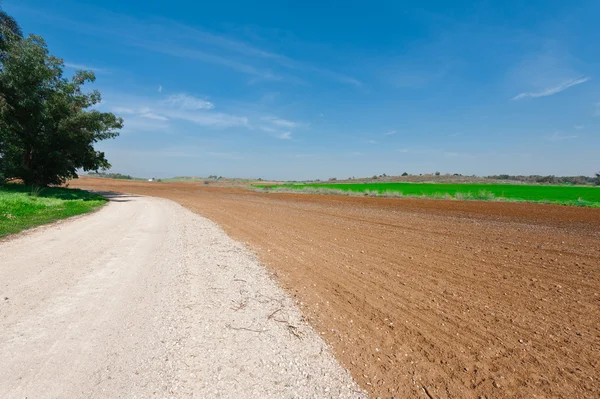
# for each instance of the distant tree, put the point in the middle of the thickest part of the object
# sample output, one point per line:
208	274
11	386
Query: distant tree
47	131
437	173
404	174
598	179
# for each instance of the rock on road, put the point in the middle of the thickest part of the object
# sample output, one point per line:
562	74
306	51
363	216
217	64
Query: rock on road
147	299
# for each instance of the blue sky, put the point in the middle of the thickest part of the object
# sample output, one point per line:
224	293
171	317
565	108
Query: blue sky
304	90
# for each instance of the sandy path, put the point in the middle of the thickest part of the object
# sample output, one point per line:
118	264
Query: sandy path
147	299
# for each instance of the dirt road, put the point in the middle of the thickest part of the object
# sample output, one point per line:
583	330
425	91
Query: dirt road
147	299
424	298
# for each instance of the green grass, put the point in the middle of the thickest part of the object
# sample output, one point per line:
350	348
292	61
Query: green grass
22	207
565	195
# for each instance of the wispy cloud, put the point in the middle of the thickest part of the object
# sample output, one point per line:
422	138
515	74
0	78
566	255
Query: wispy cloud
552	90
198	44
454	134
579	127
78	67
389	133
152	115
280	122
558	137
159	88
123	110
178	107
597	108
203	56
285	136
268	129
186	102
372	142
214	119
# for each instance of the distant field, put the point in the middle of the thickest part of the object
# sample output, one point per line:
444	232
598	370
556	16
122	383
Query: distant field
22	207
566	195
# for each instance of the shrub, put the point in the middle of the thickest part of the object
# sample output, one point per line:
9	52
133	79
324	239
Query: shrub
404	174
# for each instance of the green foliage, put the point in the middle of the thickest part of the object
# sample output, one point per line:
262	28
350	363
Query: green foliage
47	129
22	207
567	195
404	174
9	31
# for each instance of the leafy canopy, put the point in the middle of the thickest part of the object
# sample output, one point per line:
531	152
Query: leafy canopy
48	127
9	30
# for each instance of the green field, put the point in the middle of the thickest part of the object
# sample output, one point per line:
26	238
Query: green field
22	207
565	195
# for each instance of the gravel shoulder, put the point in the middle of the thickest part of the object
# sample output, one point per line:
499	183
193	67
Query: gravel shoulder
147	299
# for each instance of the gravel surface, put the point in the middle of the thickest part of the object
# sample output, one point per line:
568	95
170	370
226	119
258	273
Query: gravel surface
147	299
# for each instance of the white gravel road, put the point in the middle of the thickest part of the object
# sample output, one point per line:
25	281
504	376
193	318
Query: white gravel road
145	299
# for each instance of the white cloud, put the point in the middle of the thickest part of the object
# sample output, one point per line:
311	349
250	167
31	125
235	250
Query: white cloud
579	127
152	115
183	101
123	110
279	121
159	89
372	142
285	136
552	90
134	124
78	67
404	150
558	137
389	133
454	134
209	118
268	129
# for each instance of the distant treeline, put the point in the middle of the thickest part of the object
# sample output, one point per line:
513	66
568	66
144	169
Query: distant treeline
111	175
579	180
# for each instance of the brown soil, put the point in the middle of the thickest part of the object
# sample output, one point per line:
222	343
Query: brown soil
427	298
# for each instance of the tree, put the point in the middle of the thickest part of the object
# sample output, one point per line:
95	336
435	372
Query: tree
47	129
9	30
598	179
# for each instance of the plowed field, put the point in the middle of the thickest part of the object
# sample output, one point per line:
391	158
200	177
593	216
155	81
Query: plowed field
428	298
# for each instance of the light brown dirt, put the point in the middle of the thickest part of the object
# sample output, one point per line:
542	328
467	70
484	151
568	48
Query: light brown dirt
425	298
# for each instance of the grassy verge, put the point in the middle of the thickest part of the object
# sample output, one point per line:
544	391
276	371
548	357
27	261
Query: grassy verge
562	195
22	207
